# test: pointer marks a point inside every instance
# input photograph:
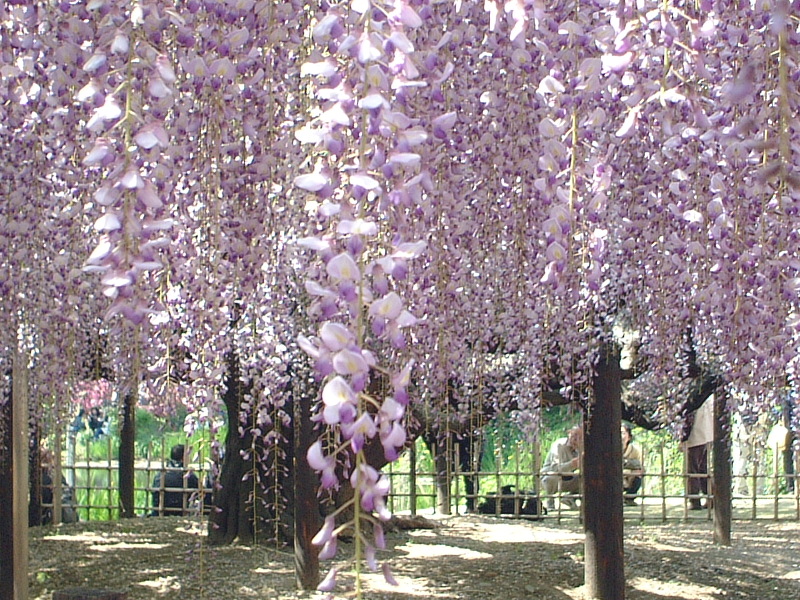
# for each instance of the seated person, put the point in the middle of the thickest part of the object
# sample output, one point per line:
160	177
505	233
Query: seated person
632	467
175	489
560	466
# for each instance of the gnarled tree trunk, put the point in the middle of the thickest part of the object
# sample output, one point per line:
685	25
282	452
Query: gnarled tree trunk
252	501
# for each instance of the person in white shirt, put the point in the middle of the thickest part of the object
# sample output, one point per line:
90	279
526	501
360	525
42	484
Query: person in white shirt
559	471
632	466
696	444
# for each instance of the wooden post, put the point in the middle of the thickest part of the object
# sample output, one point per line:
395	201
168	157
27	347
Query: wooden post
459	470
604	568
88	594
722	471
34	497
440	461
6	501
664	486
127	452
57	477
412	477
19	480
776	481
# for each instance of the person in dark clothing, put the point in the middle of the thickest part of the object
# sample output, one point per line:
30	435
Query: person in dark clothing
97	422
172	497
78	425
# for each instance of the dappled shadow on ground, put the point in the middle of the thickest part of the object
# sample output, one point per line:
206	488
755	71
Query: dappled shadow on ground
468	557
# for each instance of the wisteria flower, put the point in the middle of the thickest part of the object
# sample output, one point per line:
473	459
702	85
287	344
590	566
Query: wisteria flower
393	441
357	227
101	153
388	307
349	362
328	584
109	111
359	431
391	410
325	465
336	336
388	575
373	488
400	382
343	267
340	401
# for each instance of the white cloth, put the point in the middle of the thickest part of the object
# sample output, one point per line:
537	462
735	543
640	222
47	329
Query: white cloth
703	427
778	437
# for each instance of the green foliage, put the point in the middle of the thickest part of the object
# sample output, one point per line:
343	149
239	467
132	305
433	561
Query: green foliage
400	499
507	451
91	449
149	428
97	493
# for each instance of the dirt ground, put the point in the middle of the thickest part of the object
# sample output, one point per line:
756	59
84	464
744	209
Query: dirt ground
465	557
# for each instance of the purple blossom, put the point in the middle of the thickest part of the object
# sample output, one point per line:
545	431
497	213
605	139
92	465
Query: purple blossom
360	430
325	464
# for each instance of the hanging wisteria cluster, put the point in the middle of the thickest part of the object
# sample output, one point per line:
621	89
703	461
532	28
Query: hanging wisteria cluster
366	175
570	166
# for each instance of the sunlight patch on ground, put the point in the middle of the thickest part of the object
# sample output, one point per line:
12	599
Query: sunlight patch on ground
270	570
791	575
81	537
104	541
514	534
674	590
125	546
424	551
409	586
248	592
577	593
162	585
194	528
671	548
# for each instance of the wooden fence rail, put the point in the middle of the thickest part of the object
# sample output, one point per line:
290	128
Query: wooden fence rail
770	495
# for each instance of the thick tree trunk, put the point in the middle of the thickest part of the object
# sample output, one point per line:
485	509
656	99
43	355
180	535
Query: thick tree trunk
239	511
307	515
6	504
224	521
602	471
722	482
127	454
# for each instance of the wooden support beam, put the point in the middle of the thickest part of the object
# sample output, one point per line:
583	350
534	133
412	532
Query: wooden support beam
19	475
6	501
722	482
604	562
